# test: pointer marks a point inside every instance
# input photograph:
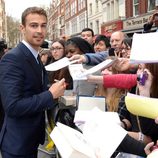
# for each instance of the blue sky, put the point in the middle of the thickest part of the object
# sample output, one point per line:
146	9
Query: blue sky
15	8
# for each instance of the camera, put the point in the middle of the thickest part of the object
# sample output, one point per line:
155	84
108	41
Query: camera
142	78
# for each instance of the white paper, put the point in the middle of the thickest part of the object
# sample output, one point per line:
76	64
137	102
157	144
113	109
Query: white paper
70	142
103	135
79	73
98	67
82	116
100	135
88	103
75	70
144	48
59	64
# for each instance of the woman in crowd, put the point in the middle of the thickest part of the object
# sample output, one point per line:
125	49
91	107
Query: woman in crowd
77	45
57	52
126	47
102	43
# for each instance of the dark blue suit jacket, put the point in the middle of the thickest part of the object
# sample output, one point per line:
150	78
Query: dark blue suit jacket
24	99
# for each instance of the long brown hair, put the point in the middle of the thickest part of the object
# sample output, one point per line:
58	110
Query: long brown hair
153	68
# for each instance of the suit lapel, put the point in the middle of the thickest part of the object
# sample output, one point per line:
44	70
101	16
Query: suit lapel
32	61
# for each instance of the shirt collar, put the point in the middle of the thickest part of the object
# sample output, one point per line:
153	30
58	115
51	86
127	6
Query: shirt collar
33	51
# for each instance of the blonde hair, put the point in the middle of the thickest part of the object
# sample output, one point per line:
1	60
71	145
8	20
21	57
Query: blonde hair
111	102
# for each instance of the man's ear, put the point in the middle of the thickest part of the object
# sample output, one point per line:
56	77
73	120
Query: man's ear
21	28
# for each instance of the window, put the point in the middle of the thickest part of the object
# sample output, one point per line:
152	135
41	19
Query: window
62	8
81	4
62	20
151	5
97	27
97	6
108	11
67	28
135	7
73	8
112	10
91	25
82	21
74	25
67	11
90	9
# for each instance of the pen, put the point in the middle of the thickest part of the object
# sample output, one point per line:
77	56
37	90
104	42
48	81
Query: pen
55	80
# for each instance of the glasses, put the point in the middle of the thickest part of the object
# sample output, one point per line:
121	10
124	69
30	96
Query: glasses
55	49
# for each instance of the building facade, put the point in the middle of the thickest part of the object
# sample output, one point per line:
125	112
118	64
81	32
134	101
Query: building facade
95	15
69	17
3	21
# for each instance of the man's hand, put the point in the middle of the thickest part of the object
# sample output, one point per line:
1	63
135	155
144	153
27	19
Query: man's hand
122	64
148	148
57	89
152	18
80	58
156	120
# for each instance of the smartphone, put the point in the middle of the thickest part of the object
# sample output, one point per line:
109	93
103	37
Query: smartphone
142	78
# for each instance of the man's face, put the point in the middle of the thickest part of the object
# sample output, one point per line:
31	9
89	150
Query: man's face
116	40
87	35
34	30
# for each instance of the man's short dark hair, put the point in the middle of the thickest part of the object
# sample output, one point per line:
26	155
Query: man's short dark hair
88	29
32	10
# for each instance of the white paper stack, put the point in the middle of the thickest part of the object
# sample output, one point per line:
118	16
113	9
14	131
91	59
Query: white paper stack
100	138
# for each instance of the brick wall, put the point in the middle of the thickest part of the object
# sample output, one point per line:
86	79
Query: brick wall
129	7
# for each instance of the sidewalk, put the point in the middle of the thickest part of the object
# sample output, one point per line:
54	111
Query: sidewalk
43	154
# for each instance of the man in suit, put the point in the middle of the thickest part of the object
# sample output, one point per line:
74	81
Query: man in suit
23	90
